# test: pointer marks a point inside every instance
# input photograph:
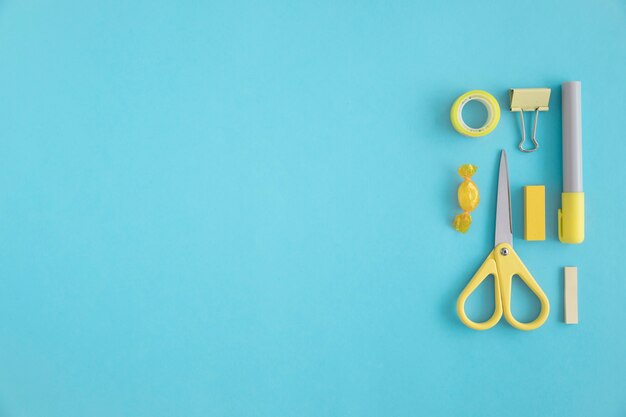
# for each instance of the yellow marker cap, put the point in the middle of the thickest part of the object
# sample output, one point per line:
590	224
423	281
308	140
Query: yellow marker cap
572	218
535	212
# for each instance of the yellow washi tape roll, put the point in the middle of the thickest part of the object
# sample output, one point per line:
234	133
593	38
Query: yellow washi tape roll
493	113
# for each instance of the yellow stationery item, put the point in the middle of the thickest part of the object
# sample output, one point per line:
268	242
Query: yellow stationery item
503	263
493	113
571	294
571	215
529	99
535	212
468	198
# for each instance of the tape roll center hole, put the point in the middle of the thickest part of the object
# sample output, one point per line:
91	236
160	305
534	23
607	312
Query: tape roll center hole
474	114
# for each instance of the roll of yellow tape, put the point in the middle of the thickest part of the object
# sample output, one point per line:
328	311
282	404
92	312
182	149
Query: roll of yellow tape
493	113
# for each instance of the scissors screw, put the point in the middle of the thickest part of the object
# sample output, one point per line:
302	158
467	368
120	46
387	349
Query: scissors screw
504	251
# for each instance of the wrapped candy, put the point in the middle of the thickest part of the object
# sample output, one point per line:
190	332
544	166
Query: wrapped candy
468	198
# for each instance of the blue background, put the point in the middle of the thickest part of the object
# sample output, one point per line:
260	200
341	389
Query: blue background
243	208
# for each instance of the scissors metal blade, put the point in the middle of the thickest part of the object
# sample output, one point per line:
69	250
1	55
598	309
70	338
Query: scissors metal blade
504	226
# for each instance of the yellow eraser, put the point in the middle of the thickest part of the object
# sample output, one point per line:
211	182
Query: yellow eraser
571	295
535	212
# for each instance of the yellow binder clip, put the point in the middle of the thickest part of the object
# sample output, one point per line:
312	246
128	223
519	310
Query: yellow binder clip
529	99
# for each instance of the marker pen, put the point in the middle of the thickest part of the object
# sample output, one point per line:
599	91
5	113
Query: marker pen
571	215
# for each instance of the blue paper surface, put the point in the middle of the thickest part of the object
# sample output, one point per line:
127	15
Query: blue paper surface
234	208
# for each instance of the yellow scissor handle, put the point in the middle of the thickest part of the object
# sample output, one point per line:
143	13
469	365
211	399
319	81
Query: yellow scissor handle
487	268
503	263
509	265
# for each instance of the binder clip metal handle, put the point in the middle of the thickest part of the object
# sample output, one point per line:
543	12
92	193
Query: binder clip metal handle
529	99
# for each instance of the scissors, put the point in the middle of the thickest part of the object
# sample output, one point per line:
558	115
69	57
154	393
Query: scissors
503	263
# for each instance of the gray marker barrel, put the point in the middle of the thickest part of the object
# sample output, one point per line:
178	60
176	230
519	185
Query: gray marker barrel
572	138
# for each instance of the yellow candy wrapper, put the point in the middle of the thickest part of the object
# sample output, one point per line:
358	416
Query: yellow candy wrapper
468	198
